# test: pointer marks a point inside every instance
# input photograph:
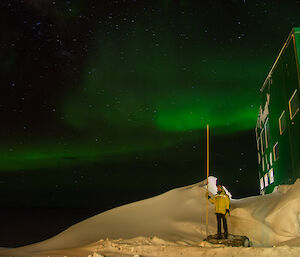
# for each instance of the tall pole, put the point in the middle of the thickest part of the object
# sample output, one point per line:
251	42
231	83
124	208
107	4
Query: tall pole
207	174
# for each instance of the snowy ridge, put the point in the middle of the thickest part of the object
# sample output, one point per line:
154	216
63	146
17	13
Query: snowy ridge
176	220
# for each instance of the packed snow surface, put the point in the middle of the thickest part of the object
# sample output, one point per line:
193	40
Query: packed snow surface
174	224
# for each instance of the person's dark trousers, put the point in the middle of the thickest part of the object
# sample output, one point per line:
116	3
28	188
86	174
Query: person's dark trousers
220	217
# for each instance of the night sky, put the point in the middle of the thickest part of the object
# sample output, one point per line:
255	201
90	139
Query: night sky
106	102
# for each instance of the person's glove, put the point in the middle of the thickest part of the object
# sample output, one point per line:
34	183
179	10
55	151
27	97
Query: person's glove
227	213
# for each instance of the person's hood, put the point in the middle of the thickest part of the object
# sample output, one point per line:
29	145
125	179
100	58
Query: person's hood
222	192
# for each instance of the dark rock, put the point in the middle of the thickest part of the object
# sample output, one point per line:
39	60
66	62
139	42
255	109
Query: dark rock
232	240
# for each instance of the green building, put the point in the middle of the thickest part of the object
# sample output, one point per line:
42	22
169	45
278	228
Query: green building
278	123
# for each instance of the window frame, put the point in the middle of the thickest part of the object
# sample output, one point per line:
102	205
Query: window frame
267	134
271	177
280	123
262	185
266	179
267	161
290	108
274	152
258	144
262	147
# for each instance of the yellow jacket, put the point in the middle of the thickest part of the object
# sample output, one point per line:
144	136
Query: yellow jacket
221	202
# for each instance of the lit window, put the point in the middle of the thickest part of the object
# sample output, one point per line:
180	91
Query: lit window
262	142
271	176
261	183
256	131
266	180
267	162
271	159
258	143
294	104
276	152
282	123
267	133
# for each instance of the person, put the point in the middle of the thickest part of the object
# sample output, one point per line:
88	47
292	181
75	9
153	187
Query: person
222	202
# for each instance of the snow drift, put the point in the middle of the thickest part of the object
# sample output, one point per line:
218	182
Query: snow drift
179	216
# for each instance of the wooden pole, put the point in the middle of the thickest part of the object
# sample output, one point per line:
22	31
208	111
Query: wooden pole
207	174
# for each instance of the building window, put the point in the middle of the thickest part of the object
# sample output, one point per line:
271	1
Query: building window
262	140
267	162
256	132
263	163
261	183
282	123
258	143
294	104
258	158
276	152
271	159
266	180
267	133
271	176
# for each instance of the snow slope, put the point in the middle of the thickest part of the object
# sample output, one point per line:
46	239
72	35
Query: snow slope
176	219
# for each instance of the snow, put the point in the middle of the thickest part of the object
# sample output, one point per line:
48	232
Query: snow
173	224
264	113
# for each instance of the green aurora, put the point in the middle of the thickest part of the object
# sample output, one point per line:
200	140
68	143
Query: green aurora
143	103
147	87
165	91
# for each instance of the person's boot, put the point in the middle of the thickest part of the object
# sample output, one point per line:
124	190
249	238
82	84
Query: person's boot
226	235
219	236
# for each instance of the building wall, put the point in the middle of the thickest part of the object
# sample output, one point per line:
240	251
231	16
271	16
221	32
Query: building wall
279	144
